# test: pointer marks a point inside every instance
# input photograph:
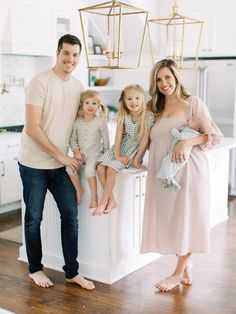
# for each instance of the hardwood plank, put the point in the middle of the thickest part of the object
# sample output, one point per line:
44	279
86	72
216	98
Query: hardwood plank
213	290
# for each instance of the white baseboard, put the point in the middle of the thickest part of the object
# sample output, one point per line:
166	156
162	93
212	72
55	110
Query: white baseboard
94	272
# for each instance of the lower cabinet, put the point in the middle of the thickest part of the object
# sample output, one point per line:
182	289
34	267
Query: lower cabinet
108	244
10	182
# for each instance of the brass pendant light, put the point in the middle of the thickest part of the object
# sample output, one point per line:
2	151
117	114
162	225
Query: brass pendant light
176	27
116	20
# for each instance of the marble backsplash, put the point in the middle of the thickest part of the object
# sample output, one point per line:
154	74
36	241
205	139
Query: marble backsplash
16	72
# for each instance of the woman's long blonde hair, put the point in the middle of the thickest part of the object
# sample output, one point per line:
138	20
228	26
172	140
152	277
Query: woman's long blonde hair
89	93
124	111
157	102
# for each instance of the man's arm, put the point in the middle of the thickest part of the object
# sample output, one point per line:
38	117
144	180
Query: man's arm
32	126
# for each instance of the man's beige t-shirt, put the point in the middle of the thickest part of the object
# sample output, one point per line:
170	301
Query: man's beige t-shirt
59	100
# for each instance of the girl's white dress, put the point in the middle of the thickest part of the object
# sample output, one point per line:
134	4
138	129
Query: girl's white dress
129	144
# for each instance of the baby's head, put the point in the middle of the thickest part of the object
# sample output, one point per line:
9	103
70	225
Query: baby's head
200	123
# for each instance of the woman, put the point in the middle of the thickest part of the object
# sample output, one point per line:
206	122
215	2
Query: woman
176	222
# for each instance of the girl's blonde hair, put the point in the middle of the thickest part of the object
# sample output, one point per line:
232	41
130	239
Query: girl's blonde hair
157	102
89	93
124	111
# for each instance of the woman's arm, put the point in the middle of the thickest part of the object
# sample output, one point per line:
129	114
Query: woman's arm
179	148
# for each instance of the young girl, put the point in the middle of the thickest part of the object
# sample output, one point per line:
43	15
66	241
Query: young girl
133	128
89	139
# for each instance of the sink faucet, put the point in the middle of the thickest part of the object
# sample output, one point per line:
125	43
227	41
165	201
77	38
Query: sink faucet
4	89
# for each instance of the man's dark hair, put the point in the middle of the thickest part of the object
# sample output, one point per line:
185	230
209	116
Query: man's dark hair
68	39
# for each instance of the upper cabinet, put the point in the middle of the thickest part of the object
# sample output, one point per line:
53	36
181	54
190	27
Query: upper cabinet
217	34
28	30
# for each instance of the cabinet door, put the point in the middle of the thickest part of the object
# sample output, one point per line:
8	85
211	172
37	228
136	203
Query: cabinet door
29	31
191	35
222	33
10	182
143	180
215	39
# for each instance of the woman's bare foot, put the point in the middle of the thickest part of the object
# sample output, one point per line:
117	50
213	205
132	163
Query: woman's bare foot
93	202
168	283
111	204
99	210
40	279
81	281
79	195
187	278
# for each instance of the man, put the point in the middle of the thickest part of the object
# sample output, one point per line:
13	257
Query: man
52	100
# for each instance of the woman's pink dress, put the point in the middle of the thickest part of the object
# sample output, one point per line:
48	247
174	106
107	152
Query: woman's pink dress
178	222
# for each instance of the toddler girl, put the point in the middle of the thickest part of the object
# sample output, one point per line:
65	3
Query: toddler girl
132	135
89	139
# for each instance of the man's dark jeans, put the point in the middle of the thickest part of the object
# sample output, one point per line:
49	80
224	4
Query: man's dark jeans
35	185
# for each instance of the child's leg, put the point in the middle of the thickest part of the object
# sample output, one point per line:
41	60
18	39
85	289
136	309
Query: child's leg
102	174
93	190
108	187
78	188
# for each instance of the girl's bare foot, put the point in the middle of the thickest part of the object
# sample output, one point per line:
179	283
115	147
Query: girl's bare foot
93	202
79	196
168	283
99	210
40	279
111	204
81	281
187	276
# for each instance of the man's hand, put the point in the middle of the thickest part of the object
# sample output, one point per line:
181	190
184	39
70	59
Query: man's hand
71	162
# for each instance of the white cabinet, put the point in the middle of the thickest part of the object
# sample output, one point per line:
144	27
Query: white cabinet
10	182
28	30
108	244
217	35
10	185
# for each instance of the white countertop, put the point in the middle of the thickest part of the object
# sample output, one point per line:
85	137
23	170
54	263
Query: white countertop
226	143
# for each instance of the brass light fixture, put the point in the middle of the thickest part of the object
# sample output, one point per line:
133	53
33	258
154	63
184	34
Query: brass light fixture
176	27
114	17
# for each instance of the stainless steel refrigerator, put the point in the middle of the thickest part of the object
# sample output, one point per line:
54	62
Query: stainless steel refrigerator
214	81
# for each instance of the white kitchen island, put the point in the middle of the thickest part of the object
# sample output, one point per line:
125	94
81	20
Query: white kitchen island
109	244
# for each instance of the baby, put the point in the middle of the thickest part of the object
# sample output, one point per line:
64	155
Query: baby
195	126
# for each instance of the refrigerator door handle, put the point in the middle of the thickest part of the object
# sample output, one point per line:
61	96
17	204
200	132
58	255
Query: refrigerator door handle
198	89
204	84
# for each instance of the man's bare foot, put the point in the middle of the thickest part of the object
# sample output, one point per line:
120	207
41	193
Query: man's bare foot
99	210
40	279
187	278
79	196
111	204
81	281
168	283
93	202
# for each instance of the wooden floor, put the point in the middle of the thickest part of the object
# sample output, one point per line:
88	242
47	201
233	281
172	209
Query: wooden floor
213	290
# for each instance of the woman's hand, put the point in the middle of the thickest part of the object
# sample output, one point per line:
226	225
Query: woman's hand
178	152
